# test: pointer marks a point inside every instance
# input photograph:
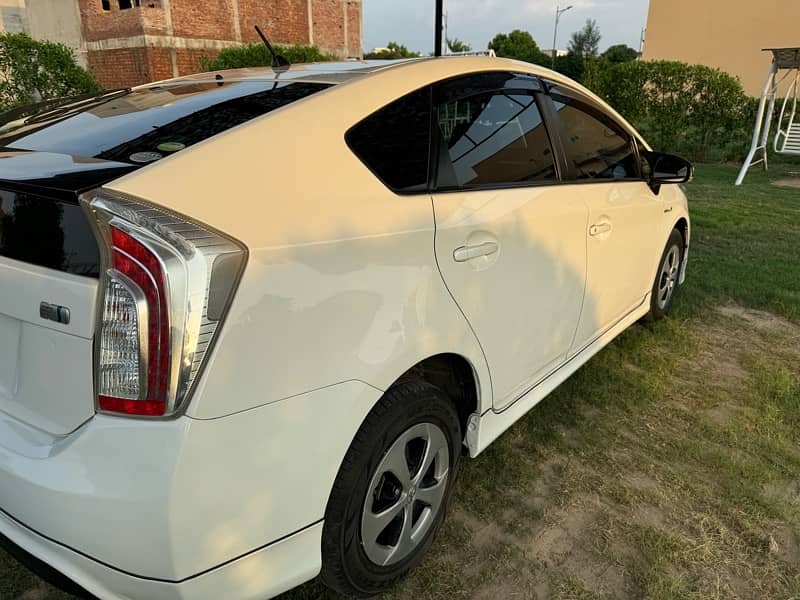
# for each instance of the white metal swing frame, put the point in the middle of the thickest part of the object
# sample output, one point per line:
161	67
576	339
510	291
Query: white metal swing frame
787	141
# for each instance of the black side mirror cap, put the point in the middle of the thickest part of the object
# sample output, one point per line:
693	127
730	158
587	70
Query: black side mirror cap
666	169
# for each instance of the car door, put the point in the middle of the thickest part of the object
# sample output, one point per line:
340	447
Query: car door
510	242
623	244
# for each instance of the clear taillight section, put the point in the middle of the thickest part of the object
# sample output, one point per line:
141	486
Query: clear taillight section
166	284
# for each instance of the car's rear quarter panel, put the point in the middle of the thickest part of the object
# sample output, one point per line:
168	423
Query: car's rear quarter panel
342	281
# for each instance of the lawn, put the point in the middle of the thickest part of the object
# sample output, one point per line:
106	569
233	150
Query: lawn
668	466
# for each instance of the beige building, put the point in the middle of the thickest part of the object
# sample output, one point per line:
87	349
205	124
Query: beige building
727	34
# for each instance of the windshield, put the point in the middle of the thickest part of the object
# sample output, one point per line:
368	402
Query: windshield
147	124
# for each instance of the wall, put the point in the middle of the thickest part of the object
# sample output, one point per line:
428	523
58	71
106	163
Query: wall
167	38
12	16
57	22
727	34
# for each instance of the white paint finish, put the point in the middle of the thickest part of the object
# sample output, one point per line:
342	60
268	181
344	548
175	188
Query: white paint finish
263	574
374	307
46	374
620	260
493	424
341	295
523	301
185	495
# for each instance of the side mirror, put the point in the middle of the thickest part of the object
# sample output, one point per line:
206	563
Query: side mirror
660	168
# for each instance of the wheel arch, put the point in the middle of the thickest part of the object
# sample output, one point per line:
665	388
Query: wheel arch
457	377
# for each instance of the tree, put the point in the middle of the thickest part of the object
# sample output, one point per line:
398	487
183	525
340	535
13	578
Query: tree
571	65
520	45
586	42
393	51
620	53
32	71
456	45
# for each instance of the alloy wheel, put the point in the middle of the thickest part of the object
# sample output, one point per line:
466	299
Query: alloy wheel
668	278
405	494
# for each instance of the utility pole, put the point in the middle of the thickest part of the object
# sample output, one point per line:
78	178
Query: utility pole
559	12
437	44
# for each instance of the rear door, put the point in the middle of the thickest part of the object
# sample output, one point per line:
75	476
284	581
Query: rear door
510	244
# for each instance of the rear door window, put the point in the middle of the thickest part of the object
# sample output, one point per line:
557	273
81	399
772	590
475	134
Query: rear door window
493	138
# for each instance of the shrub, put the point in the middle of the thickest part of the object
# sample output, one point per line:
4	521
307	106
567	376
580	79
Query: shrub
693	110
256	55
32	71
393	51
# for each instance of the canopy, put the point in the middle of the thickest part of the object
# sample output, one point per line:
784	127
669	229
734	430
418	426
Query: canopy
786	58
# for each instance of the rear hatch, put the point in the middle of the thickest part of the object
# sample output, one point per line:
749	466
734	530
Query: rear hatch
49	264
49	257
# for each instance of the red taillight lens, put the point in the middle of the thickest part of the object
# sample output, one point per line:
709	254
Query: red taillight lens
142	267
166	285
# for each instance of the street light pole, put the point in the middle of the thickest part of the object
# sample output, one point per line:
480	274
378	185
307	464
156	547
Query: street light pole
559	12
437	44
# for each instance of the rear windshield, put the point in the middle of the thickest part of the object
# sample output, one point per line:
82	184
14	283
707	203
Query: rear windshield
141	126
48	233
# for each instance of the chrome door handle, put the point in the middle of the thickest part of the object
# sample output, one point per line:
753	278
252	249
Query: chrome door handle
465	253
600	228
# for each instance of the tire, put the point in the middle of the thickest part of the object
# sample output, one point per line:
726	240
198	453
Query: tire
412	418
667	277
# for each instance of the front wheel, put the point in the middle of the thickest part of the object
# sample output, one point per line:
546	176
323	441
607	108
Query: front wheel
392	491
667	277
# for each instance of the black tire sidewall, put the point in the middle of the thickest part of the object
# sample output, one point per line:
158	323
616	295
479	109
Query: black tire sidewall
656	312
346	566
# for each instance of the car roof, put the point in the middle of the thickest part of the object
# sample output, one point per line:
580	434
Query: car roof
320	72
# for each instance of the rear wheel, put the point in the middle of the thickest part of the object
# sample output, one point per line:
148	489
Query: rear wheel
392	492
667	277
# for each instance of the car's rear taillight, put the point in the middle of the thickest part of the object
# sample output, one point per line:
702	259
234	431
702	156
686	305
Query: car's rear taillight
165	287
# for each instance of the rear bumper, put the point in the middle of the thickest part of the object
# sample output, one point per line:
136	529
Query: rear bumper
264	573
186	507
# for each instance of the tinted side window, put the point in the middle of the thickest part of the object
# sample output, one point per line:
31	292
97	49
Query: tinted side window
597	147
394	142
492	138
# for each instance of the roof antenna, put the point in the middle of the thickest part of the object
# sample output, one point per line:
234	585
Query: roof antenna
279	63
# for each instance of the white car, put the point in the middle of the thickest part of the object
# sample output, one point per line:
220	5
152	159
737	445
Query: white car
251	321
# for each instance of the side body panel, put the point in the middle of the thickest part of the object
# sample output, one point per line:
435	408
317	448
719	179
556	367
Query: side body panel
524	300
619	259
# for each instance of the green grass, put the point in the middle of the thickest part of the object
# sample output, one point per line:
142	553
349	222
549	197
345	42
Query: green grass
669	465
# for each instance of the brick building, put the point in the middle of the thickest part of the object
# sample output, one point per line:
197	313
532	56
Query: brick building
127	42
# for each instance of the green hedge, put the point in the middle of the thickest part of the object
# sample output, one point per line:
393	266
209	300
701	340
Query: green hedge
256	55
694	110
33	71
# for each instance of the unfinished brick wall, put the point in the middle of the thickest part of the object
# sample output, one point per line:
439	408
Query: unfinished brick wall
212	19
99	24
135	45
283	21
120	68
328	18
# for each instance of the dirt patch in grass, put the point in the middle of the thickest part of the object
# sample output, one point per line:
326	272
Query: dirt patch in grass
789	183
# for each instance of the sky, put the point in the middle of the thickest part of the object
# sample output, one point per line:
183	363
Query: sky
410	22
